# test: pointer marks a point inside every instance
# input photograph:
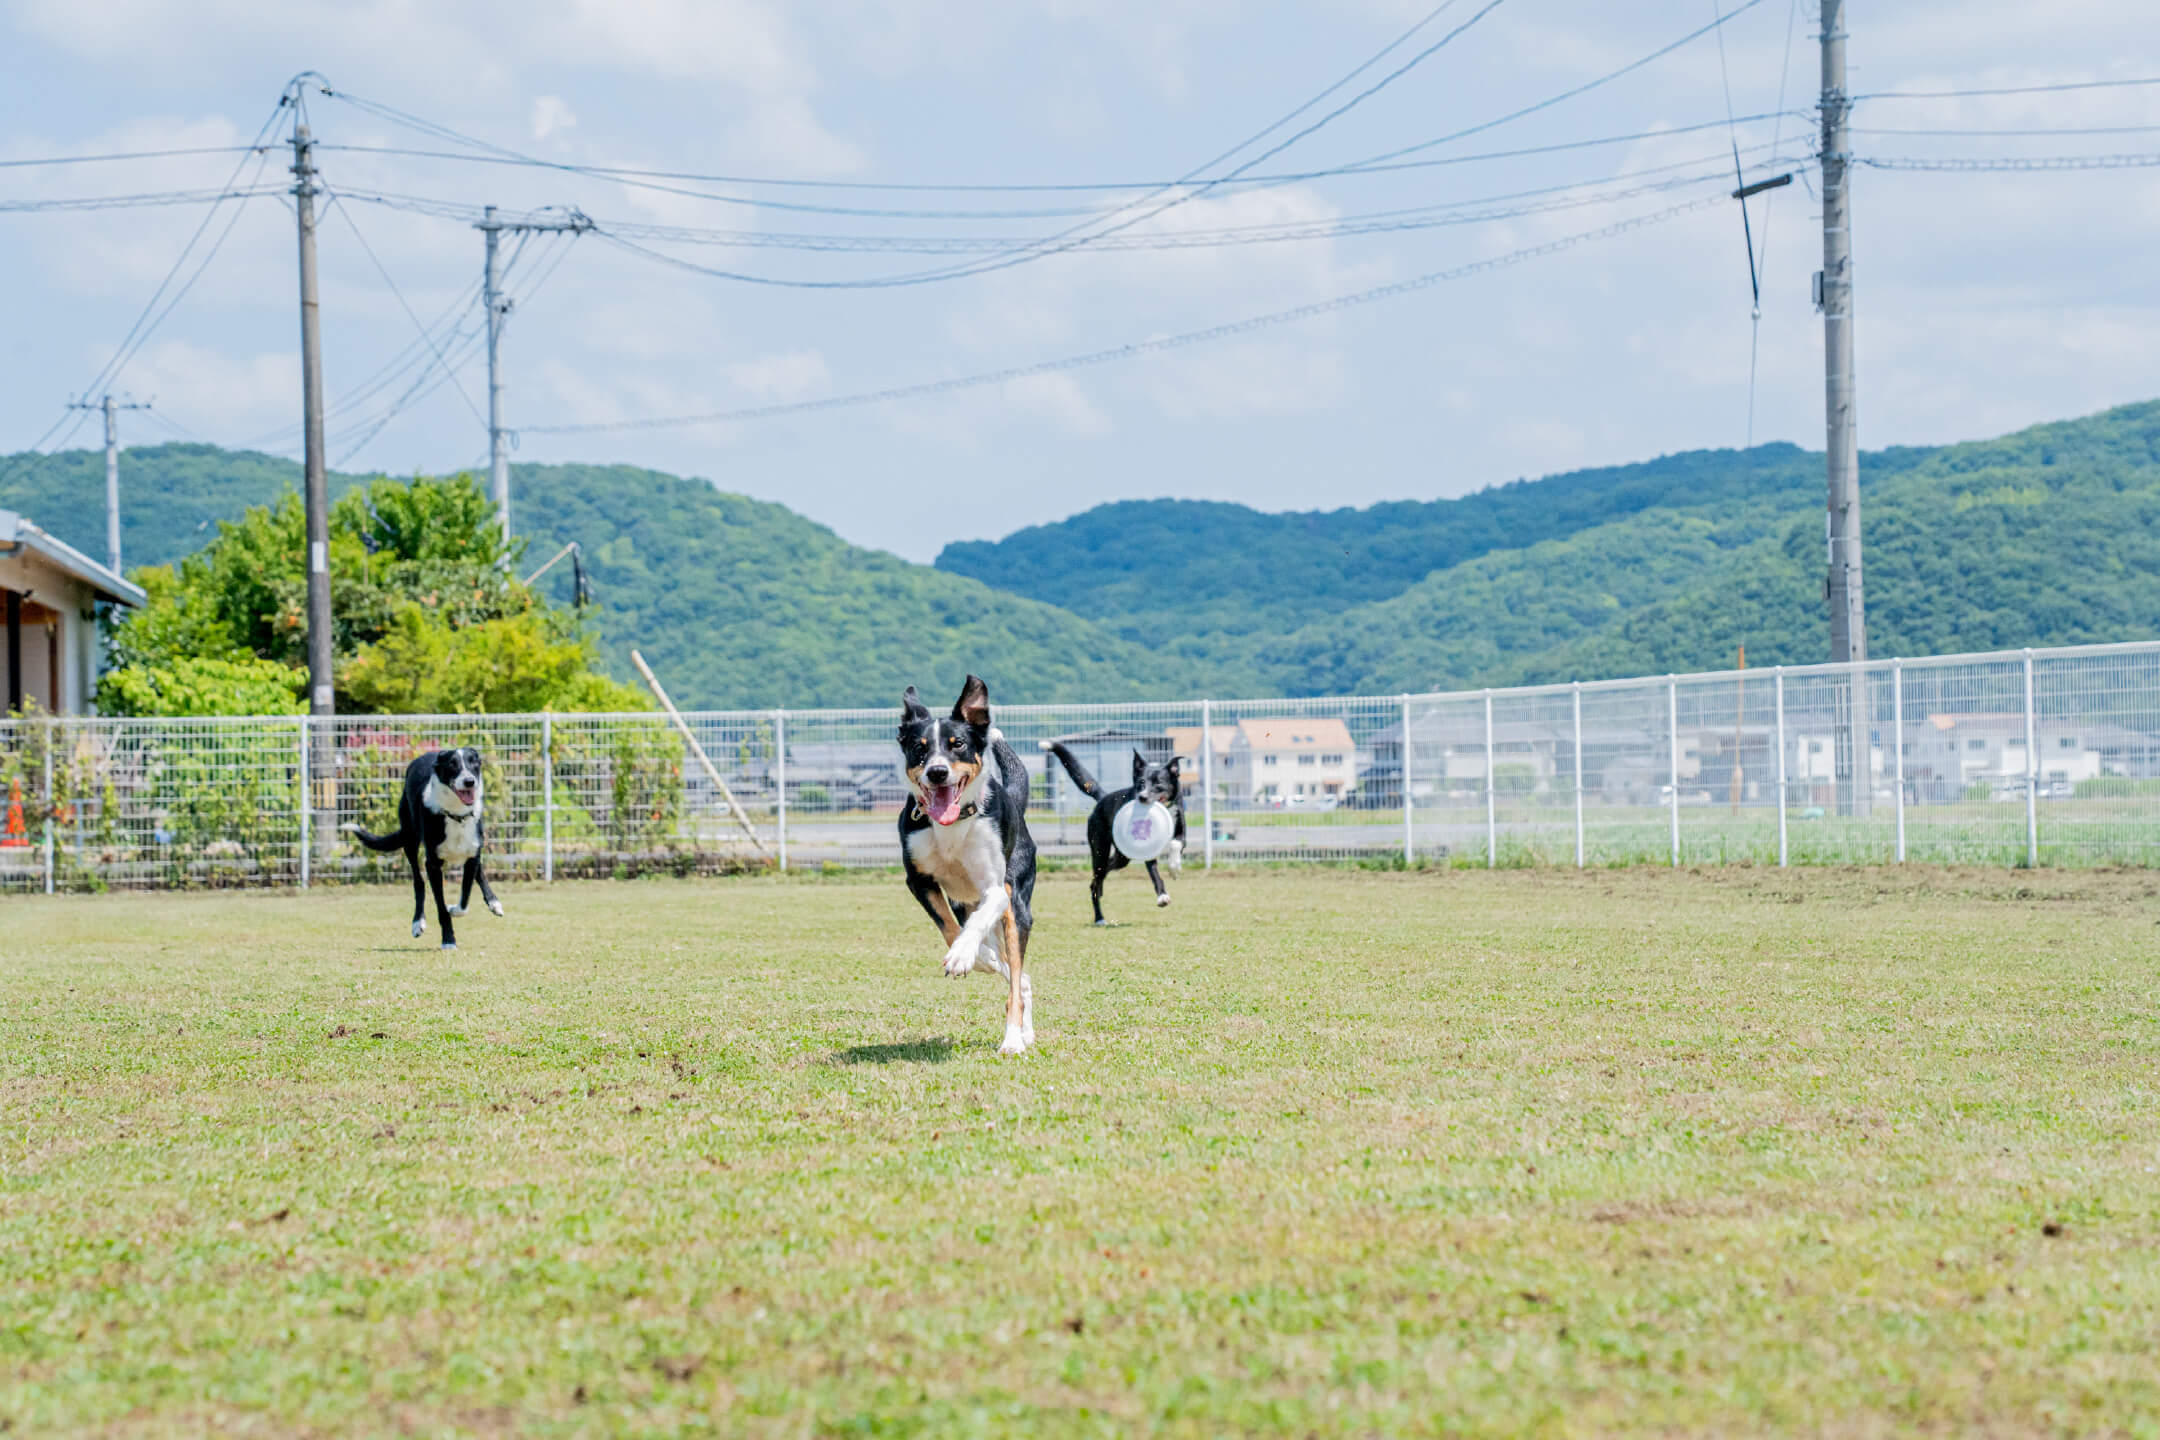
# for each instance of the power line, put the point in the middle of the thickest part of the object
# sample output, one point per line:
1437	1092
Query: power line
1311	231
1565	95
345	212
632	178
151	316
1071	238
123	155
2054	89
2030	162
1470	210
2011	134
140	200
1142	347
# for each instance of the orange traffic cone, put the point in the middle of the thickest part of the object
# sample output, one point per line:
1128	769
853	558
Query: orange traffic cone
18	834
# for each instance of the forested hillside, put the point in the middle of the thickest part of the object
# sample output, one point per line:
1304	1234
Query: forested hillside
2048	536
734	601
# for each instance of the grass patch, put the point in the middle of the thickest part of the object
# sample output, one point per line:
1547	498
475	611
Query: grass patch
1327	1152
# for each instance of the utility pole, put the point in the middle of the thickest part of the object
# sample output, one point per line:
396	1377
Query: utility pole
321	829
1842	588
1848	611
498	311
317	493
111	407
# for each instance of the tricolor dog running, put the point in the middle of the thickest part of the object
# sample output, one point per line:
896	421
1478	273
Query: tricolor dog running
965	844
439	813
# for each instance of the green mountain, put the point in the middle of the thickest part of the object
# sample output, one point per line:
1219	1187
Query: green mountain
734	602
2044	537
2048	536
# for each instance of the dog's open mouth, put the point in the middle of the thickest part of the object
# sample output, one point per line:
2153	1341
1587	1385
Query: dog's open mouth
941	803
466	794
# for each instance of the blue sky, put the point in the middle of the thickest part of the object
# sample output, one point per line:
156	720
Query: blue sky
1986	301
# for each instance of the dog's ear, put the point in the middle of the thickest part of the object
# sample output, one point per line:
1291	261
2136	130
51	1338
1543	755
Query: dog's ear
973	706
1139	767
1172	767
911	705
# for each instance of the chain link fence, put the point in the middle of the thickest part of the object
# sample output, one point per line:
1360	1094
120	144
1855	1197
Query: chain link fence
2044	757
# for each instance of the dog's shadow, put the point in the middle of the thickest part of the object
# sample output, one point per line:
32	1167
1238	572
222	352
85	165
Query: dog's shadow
934	1051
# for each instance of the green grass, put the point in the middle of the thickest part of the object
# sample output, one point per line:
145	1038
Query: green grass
1335	1153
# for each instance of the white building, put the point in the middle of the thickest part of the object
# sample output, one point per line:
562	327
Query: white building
1947	755
48	604
1274	760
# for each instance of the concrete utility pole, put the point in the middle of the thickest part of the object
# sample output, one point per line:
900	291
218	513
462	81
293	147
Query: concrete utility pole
1842	588
111	407
321	826
321	699
498	311
1848	610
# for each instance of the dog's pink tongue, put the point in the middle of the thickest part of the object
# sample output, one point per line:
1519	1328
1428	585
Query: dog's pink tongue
943	803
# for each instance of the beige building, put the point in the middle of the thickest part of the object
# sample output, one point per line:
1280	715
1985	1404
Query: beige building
49	592
1273	760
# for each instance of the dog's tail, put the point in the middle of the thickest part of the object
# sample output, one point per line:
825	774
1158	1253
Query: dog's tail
1074	768
376	842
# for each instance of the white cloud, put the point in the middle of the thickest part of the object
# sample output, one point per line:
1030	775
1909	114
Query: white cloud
211	388
791	375
1057	399
551	114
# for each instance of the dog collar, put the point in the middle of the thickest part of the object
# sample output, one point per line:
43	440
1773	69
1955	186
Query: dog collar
967	812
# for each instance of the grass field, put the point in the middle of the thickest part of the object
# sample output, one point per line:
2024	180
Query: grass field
1317	1153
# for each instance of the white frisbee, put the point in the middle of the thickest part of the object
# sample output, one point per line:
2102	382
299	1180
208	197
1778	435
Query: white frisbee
1142	832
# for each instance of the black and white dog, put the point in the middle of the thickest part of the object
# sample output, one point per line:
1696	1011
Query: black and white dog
964	842
440	811
1157	783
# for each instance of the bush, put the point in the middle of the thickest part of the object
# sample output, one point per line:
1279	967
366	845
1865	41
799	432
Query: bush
203	685
2116	787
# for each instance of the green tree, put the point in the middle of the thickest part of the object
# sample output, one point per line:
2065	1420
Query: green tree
425	616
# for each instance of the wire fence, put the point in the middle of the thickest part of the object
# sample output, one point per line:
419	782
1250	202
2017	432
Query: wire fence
2023	758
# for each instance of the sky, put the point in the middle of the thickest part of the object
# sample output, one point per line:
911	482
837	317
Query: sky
1576	321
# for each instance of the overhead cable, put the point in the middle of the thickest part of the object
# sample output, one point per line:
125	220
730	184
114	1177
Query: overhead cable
2054	89
1565	95
1139	348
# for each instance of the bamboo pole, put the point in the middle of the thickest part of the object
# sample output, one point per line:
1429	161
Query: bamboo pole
698	750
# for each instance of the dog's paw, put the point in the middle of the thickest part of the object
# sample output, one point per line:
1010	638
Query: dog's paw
449	945
1174	861
961	959
1017	1041
419	927
495	907
456	911
1161	900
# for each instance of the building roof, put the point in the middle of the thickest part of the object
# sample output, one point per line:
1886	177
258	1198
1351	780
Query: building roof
21	538
1295	732
1185	739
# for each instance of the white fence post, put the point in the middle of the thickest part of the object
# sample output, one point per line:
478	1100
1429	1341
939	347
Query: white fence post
52	738
1672	744
1409	846
779	722
1780	685
1897	724
2032	773
547	797
1577	687
1207	786
1492	821
306	805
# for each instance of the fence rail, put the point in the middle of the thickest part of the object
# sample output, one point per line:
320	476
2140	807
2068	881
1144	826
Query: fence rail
2038	757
